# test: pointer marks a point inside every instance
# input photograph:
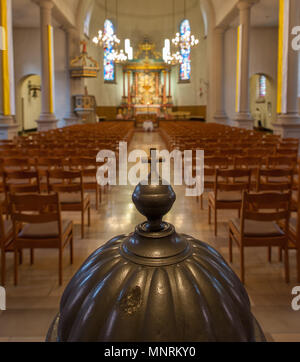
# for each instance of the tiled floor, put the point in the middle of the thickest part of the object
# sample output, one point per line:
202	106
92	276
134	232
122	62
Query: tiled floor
33	304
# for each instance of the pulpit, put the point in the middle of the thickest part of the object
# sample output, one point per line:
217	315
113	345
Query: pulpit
84	106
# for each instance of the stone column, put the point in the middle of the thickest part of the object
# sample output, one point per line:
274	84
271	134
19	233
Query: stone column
165	87
243	117
288	119
156	85
129	87
169	74
136	84
76	85
47	118
124	86
220	114
8	125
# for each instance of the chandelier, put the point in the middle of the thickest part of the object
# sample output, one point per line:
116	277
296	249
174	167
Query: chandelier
117	56
108	39
185	40
171	59
175	58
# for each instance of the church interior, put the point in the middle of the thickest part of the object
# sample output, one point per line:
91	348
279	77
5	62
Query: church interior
81	76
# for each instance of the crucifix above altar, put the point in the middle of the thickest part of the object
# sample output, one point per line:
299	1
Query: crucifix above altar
146	83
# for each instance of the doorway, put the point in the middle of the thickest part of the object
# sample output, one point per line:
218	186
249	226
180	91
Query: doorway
29	102
262	100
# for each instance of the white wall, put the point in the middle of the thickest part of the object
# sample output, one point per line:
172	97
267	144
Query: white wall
62	82
1	108
263	59
230	72
28	61
223	8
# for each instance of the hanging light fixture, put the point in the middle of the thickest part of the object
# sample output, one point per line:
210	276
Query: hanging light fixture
128	49
175	57
106	38
185	40
119	56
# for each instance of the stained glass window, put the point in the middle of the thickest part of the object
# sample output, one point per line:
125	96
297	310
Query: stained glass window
185	66
87	21
109	64
262	86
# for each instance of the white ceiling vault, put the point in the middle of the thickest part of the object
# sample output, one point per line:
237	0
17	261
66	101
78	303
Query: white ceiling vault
26	12
263	14
153	20
142	10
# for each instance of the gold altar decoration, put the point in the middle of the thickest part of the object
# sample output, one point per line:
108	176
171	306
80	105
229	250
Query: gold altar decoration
146	59
146	88
147	50
146	85
84	66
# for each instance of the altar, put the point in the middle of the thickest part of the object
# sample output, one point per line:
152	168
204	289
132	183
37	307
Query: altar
146	85
151	109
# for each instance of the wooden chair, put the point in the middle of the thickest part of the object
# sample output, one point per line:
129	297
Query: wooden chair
29	188
275	179
281	162
28	180
69	184
287	152
211	163
259	152
258	228
232	153
6	243
37	224
24	178
88	166
15	164
249	163
227	194
294	240
294	229
44	164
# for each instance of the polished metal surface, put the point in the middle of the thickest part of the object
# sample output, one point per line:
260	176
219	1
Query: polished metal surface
155	285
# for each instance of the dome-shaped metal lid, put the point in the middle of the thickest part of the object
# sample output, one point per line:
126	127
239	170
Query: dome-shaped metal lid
155	285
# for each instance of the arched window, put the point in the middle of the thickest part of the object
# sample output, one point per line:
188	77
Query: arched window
185	66
87	20
109	64
261	88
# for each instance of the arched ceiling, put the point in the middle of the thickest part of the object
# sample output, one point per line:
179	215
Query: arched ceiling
26	12
154	20
146	10
263	14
